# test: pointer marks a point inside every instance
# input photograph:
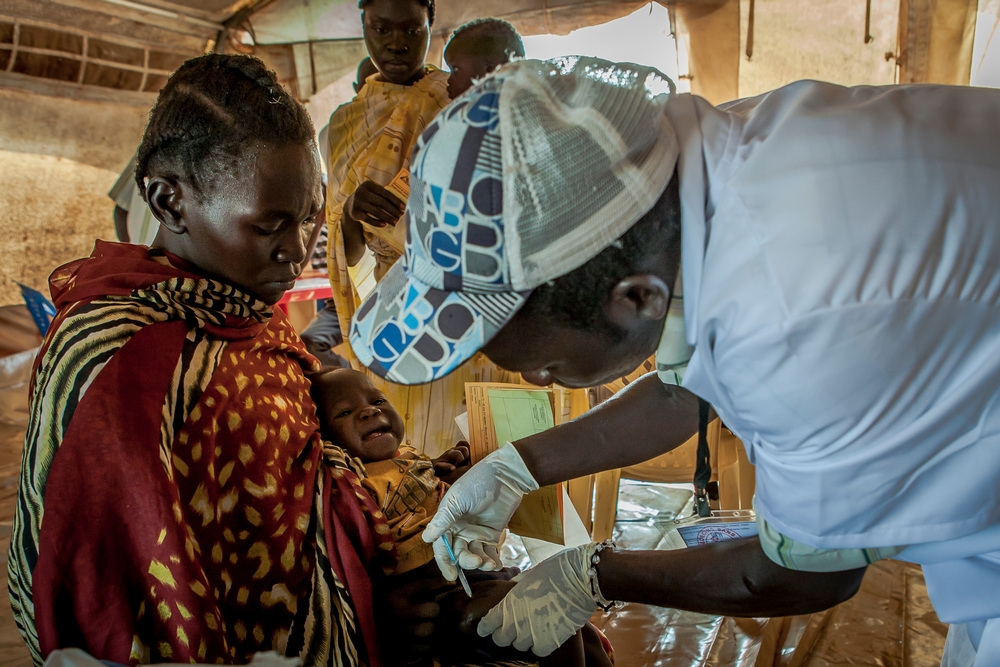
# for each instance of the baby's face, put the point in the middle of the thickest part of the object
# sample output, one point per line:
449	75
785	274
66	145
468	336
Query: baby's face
466	68
356	416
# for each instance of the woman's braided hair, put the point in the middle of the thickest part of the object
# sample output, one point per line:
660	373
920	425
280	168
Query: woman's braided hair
212	111
429	4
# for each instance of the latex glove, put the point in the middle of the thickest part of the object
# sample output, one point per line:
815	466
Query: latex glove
476	509
549	604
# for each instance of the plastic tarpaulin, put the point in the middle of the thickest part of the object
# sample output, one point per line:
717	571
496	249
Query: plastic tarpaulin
19	341
935	40
742	48
738	48
293	21
74	657
889	623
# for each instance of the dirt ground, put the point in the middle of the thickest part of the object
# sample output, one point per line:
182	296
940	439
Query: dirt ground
51	210
58	159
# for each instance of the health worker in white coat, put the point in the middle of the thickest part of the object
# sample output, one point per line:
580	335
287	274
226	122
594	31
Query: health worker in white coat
841	272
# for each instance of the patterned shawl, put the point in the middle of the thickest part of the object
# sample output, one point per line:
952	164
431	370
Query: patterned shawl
174	501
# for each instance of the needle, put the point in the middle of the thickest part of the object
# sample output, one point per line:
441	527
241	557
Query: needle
461	574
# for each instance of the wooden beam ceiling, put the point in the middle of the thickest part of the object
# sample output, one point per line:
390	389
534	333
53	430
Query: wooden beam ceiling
44	50
73	49
106	18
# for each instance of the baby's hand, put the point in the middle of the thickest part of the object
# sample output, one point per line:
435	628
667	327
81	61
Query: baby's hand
453	463
485	596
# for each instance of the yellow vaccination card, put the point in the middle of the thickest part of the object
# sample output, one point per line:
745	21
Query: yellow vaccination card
400	185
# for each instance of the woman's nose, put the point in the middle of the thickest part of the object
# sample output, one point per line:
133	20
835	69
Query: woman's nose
293	246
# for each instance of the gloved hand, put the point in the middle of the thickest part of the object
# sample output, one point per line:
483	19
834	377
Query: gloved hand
549	604
476	509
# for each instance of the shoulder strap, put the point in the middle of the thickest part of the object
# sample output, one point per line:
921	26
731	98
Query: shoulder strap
703	464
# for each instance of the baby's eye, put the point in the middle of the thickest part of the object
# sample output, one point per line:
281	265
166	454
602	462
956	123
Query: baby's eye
345	413
378	401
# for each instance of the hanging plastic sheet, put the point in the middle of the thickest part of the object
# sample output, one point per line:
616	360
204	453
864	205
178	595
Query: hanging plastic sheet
19	341
74	657
647	636
296	21
889	623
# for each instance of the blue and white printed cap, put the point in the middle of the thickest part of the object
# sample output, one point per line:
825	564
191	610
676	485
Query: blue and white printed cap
522	179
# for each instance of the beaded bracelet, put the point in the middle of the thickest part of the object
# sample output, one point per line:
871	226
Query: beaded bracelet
595	588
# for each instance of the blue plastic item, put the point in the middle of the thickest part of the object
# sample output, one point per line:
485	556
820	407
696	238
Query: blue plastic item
41	309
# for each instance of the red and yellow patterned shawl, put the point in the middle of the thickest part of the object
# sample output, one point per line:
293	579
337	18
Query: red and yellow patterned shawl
175	503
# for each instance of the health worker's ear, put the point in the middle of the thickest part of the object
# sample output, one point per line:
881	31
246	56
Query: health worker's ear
166	199
638	299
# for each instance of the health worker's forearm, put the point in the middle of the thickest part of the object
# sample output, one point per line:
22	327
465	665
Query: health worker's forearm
733	578
642	421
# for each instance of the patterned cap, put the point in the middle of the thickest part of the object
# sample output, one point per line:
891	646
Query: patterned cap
522	179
